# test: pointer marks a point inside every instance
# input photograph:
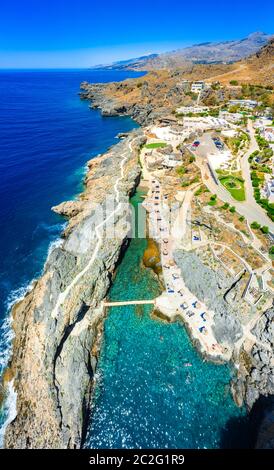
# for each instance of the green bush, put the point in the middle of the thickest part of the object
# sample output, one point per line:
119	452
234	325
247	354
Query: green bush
181	170
271	250
265	229
198	192
232	209
255	225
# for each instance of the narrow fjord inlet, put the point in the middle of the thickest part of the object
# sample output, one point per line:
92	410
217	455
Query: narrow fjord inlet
153	390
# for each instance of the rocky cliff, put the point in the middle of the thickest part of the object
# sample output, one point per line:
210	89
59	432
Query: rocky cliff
256	367
58	324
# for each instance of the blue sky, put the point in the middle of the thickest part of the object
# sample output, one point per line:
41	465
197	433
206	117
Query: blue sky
70	33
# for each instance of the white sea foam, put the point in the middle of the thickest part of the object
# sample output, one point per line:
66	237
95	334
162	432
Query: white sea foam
6	331
9	410
54	244
50	228
6	335
18	294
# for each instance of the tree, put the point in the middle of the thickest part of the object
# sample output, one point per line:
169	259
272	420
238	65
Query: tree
232	209
265	229
255	225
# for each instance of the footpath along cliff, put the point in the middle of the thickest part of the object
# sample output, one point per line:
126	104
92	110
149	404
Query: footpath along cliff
58	324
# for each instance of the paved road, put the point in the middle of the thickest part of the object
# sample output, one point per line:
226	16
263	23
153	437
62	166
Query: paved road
245	164
249	208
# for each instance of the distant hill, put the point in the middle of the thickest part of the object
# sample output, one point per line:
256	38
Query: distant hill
222	52
204	53
127	64
257	68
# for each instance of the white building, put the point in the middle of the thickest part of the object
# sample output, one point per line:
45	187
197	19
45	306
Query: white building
230	117
269	190
192	109
170	134
268	134
229	132
248	104
170	162
204	123
262	122
197	87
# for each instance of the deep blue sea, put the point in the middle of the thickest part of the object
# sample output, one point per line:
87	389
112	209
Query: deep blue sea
153	390
46	136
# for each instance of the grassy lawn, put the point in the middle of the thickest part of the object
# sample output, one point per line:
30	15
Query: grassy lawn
235	186
155	145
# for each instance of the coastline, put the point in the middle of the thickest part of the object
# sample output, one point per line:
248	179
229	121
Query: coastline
40	359
83	320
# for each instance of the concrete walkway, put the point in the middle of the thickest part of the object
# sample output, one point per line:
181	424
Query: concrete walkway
128	302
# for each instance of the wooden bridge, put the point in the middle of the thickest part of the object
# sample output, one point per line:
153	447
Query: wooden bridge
128	302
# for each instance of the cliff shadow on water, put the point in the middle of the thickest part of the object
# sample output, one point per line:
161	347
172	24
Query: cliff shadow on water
256	430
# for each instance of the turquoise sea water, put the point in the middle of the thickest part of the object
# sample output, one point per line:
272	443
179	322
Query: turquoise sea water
154	390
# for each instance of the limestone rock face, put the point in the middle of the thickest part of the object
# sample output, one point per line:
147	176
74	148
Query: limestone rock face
58	324
209	286
258	377
68	208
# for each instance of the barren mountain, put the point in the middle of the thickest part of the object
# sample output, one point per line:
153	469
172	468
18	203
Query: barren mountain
257	68
205	53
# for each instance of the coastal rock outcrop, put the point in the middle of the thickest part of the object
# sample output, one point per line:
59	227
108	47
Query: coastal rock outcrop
142	111
59	322
256	370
